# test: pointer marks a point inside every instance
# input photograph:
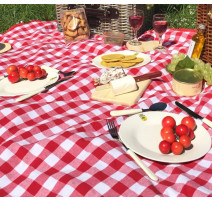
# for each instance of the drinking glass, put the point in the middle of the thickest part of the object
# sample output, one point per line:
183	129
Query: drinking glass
160	25
136	19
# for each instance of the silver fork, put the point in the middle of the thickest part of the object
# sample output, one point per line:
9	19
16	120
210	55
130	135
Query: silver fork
114	133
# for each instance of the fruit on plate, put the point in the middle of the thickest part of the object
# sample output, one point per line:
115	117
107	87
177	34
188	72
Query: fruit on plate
30	72
23	73
14	77
168	121
181	130
38	73
31	76
11	68
181	61
189	122
176	138
164	147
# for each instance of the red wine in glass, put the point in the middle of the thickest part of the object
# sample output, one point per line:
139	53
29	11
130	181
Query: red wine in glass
136	22
160	27
136	19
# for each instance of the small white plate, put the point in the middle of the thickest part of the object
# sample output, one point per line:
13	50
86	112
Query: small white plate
97	60
9	89
143	137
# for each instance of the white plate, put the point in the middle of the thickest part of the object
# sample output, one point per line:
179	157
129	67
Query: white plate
25	86
143	137
97	60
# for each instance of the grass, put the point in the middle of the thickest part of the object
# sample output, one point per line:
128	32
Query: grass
180	15
12	14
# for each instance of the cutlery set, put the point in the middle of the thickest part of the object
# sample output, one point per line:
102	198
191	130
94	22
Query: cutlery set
110	123
154	107
67	76
193	114
114	133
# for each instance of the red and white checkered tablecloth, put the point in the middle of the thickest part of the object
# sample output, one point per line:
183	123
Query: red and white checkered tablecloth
57	143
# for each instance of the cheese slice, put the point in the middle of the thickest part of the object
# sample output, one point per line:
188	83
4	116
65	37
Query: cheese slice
123	85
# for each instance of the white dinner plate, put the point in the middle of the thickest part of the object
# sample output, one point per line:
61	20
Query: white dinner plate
25	86
97	60
143	137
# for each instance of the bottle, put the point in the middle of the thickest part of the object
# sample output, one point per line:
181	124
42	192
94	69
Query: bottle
197	43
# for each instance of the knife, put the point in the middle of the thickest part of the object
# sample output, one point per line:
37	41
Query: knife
42	89
193	114
137	79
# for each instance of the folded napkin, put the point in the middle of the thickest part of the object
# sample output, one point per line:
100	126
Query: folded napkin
145	46
4	47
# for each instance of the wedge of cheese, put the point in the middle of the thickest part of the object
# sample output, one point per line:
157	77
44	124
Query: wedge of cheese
123	85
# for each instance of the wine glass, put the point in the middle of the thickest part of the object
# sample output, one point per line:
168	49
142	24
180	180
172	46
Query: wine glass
160	25
136	19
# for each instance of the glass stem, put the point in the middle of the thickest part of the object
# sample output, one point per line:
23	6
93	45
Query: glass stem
135	35
160	41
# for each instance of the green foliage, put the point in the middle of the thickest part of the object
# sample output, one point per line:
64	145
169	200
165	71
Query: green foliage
185	63
179	15
12	14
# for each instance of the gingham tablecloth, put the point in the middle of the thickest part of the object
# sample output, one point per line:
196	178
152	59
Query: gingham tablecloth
57	143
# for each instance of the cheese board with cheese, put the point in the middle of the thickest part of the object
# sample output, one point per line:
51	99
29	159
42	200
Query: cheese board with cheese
122	91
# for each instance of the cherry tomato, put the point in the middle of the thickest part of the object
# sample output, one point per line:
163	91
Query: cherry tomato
185	141
23	73
14	77
182	129
30	68
169	137
191	134
189	122
168	121
44	73
164	147
31	76
177	148
38	73
20	67
165	131
11	68
35	68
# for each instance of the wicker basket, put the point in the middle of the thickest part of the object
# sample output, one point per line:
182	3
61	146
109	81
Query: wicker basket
202	17
121	24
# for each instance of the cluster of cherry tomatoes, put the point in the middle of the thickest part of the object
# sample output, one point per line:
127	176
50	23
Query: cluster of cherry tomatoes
30	72
176	138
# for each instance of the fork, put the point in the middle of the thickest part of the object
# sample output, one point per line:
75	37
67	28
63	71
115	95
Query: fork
66	74
114	133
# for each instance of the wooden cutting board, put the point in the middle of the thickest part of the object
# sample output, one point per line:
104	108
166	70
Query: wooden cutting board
128	99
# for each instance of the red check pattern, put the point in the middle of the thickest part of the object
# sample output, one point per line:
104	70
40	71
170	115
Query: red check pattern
57	143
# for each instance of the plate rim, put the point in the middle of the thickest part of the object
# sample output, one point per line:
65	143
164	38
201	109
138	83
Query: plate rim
165	155
118	52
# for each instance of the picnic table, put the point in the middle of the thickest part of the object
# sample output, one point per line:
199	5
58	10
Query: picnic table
57	143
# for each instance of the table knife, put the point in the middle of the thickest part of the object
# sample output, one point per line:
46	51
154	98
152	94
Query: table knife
193	114
42	89
137	79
